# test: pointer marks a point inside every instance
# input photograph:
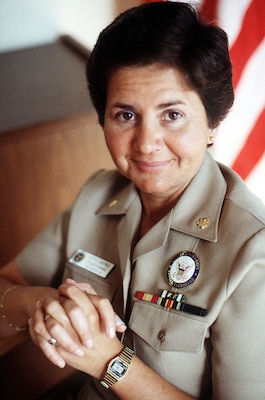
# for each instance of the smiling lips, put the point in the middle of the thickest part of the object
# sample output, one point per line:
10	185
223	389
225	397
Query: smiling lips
151	166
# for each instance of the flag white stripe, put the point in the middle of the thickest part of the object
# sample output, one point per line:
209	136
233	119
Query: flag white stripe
230	17
256	179
249	102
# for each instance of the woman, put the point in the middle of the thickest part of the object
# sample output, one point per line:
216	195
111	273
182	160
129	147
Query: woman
177	237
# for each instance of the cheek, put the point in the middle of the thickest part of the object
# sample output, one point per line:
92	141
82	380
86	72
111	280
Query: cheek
180	144
109	138
187	143
116	146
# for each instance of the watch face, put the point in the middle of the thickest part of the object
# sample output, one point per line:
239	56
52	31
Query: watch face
118	368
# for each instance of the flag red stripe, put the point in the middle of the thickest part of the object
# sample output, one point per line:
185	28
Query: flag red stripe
209	9
253	148
251	34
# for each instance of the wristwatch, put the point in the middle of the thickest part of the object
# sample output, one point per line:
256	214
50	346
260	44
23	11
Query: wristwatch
117	368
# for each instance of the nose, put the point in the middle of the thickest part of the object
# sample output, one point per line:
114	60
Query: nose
148	137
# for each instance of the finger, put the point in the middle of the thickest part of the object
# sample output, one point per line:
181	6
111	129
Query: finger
90	309
40	337
90	304
38	322
98	310
81	312
80	322
106	314
31	331
109	320
58	311
84	286
119	324
61	326
54	309
63	338
56	327
87	288
51	353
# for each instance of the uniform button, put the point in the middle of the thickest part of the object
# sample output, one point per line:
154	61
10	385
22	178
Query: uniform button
161	335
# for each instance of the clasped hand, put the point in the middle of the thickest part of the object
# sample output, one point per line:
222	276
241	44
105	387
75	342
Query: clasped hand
83	326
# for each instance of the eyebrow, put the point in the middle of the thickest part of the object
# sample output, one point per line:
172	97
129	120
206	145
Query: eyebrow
160	106
171	103
123	105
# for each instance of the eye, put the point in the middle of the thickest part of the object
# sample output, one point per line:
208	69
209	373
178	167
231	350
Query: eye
172	115
126	116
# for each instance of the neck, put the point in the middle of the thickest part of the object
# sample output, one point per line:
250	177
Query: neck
153	211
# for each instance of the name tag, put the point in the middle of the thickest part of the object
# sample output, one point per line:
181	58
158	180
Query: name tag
91	263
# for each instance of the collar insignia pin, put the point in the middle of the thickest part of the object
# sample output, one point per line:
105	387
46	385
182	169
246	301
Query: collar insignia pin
203	223
113	203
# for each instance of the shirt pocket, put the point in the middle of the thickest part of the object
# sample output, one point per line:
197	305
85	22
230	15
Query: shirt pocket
167	330
101	286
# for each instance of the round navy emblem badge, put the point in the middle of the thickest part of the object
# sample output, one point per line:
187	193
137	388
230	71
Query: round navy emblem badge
183	269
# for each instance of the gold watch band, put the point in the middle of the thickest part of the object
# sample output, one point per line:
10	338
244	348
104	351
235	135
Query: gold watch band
124	358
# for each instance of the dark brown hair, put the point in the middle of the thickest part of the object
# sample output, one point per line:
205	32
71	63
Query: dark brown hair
171	33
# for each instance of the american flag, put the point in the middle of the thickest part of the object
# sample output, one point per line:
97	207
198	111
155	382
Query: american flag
241	139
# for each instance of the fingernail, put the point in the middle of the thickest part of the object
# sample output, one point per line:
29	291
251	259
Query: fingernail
79	352
111	332
60	363
71	280
89	343
118	321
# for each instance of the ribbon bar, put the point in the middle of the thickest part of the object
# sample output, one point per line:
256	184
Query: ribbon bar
176	303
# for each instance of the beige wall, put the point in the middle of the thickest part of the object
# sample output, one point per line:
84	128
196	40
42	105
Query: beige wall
42	169
27	23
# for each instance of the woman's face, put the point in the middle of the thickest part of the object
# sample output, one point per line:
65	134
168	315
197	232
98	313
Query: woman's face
156	128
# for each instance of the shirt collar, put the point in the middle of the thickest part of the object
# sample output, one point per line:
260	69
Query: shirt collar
121	201
198	210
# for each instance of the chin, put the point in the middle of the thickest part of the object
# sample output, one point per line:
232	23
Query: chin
152	187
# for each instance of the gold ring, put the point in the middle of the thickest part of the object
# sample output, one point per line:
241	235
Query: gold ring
47	316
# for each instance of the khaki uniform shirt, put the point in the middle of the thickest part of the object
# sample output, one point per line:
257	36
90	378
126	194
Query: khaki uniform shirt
217	219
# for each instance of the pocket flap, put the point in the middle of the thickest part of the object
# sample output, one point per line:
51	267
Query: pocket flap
167	330
101	286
